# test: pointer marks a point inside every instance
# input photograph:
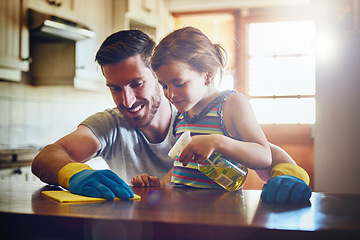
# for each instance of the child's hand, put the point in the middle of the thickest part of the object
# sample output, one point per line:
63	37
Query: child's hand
144	180
199	149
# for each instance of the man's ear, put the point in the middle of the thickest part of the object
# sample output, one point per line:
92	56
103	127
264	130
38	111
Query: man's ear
209	78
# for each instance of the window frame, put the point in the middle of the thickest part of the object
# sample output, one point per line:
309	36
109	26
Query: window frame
260	15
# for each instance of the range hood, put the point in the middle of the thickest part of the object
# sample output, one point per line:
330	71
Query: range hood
44	25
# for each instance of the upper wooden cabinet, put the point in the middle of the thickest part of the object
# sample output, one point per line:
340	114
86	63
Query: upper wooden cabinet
150	16
60	8
142	12
143	7
79	59
88	72
103	17
14	40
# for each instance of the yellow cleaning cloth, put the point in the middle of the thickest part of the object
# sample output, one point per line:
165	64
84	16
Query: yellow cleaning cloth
67	197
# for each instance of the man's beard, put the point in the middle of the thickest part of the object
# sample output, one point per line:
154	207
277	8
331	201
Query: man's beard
153	105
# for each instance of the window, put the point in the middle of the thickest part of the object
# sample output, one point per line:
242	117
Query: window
281	71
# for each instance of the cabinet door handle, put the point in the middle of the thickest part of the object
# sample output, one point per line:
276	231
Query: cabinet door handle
17	171
28	59
56	3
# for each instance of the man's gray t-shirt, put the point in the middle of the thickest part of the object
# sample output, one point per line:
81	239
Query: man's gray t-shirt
126	150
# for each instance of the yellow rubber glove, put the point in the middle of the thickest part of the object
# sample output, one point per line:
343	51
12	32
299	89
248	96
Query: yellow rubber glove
290	169
70	170
82	180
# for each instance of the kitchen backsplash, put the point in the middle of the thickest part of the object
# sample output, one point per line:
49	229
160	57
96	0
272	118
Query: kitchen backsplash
36	116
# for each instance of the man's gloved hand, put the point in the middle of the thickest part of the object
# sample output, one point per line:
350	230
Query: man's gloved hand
81	179
285	189
288	184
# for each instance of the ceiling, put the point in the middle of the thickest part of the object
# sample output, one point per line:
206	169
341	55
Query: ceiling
200	5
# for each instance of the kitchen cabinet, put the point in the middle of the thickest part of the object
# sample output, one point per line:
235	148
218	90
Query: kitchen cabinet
103	17
14	40
146	8
60	8
97	15
142	14
150	16
88	73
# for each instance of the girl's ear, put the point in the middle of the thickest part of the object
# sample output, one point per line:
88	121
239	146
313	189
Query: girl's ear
209	78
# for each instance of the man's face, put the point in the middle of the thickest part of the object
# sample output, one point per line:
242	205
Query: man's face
134	89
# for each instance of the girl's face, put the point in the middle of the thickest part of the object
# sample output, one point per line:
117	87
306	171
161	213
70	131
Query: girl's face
183	86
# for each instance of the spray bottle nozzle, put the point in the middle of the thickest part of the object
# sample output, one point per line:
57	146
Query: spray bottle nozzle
180	144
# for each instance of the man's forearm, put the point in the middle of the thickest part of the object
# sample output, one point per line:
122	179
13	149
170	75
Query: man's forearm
48	163
278	156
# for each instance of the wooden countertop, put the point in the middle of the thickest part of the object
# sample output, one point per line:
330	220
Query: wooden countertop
176	214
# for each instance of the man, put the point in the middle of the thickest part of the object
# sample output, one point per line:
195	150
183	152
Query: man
136	136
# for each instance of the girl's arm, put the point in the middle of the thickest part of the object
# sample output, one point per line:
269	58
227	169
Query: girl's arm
253	151
239	118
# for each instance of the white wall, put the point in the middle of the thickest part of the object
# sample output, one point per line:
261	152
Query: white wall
337	131
37	116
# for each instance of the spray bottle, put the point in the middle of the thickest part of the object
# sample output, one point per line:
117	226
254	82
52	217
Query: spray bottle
225	173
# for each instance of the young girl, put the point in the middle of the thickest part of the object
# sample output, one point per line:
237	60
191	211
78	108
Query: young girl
186	63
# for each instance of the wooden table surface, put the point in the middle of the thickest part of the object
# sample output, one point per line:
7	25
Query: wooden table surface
175	214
